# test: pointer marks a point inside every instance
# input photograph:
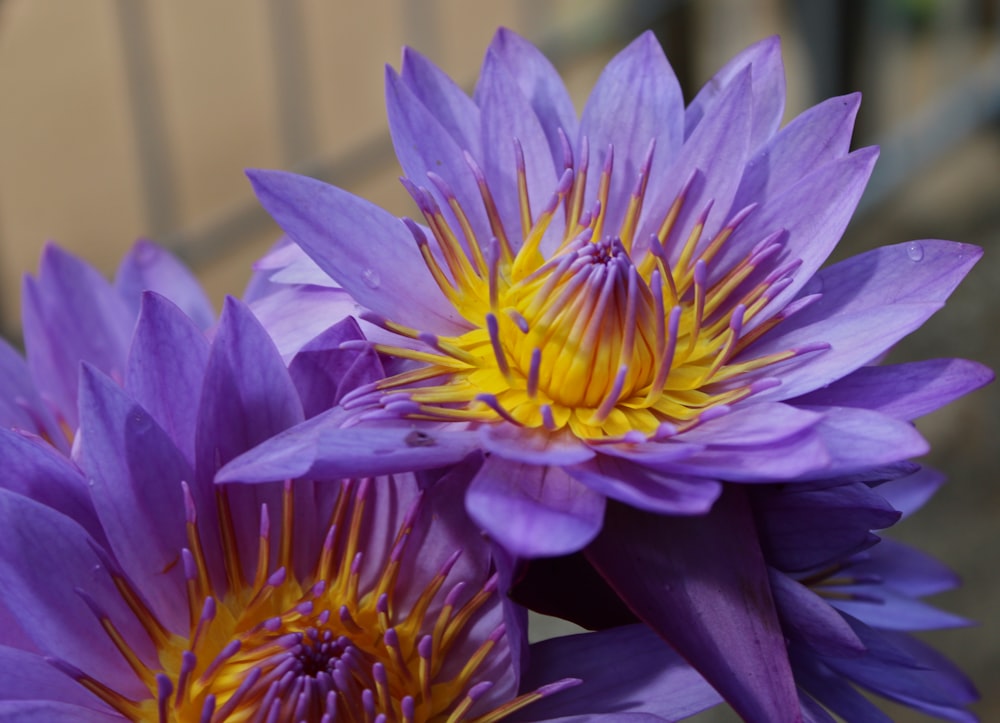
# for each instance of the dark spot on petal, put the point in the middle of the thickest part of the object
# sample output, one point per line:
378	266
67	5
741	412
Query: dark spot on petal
416	438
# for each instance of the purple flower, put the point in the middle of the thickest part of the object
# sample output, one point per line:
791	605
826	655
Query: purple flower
625	310
136	589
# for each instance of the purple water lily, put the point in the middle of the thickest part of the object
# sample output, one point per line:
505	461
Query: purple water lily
625	310
134	588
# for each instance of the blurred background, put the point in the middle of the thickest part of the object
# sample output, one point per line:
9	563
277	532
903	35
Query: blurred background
122	119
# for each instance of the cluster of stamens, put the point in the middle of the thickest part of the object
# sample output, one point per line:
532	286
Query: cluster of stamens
607	335
323	648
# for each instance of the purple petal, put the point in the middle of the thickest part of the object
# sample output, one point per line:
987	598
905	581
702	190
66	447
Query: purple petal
71	314
540	84
833	691
320	449
753	425
28	676
641	486
911	492
423	145
868	303
904	391
636	100
533	511
21	406
858	439
816	137
148	267
44	558
809	619
323	372
508	115
764	60
50	711
624	670
893	610
533	446
701	583
135	474
714	158
365	249
441	96
295	315
166	366
36	470
789	458
905	569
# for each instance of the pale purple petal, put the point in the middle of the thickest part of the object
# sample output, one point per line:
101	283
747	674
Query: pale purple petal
21	406
818	136
365	249
893	610
753	425
764	60
908	494
904	391
28	676
533	511
135	473
540	84
44	558
790	458
148	267
906	569
623	670
701	583
533	446
868	303
166	365
809	619
858	439
295	315
452	107
639	485
636	100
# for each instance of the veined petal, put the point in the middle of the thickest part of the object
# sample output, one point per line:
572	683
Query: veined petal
533	446
859	439
868	303
533	511
906	569
637	99
442	97
51	711
757	424
809	619
365	249
148	267
28	676
904	391
540	84
21	406
627	668
764	60
166	365
701	583
909	493
135	473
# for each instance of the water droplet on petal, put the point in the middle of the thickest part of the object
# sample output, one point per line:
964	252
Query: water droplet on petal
371	278
915	251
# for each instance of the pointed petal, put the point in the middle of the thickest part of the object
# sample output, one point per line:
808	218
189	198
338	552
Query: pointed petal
28	676
904	391
44	558
322	450
911	492
906	569
540	84
624	670
764	60
893	610
745	426
21	406
533	446
641	486
365	249
295	315
868	303
135	474
50	711
789	458
637	99
533	511
71	314
166	367
148	267
811	620
440	95
701	583
816	137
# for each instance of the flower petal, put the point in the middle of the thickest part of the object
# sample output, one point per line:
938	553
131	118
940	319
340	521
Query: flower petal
135	474
701	583
166	366
28	676
50	711
636	100
868	303
623	670
533	446
809	619
440	95
365	249
906	569
148	267
911	492
533	511
904	391
21	406
540	84
764	60
44	558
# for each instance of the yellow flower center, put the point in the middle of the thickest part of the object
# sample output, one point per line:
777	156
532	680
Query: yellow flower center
604	336
327	647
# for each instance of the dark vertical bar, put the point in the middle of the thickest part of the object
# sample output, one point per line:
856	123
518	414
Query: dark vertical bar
296	119
145	104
